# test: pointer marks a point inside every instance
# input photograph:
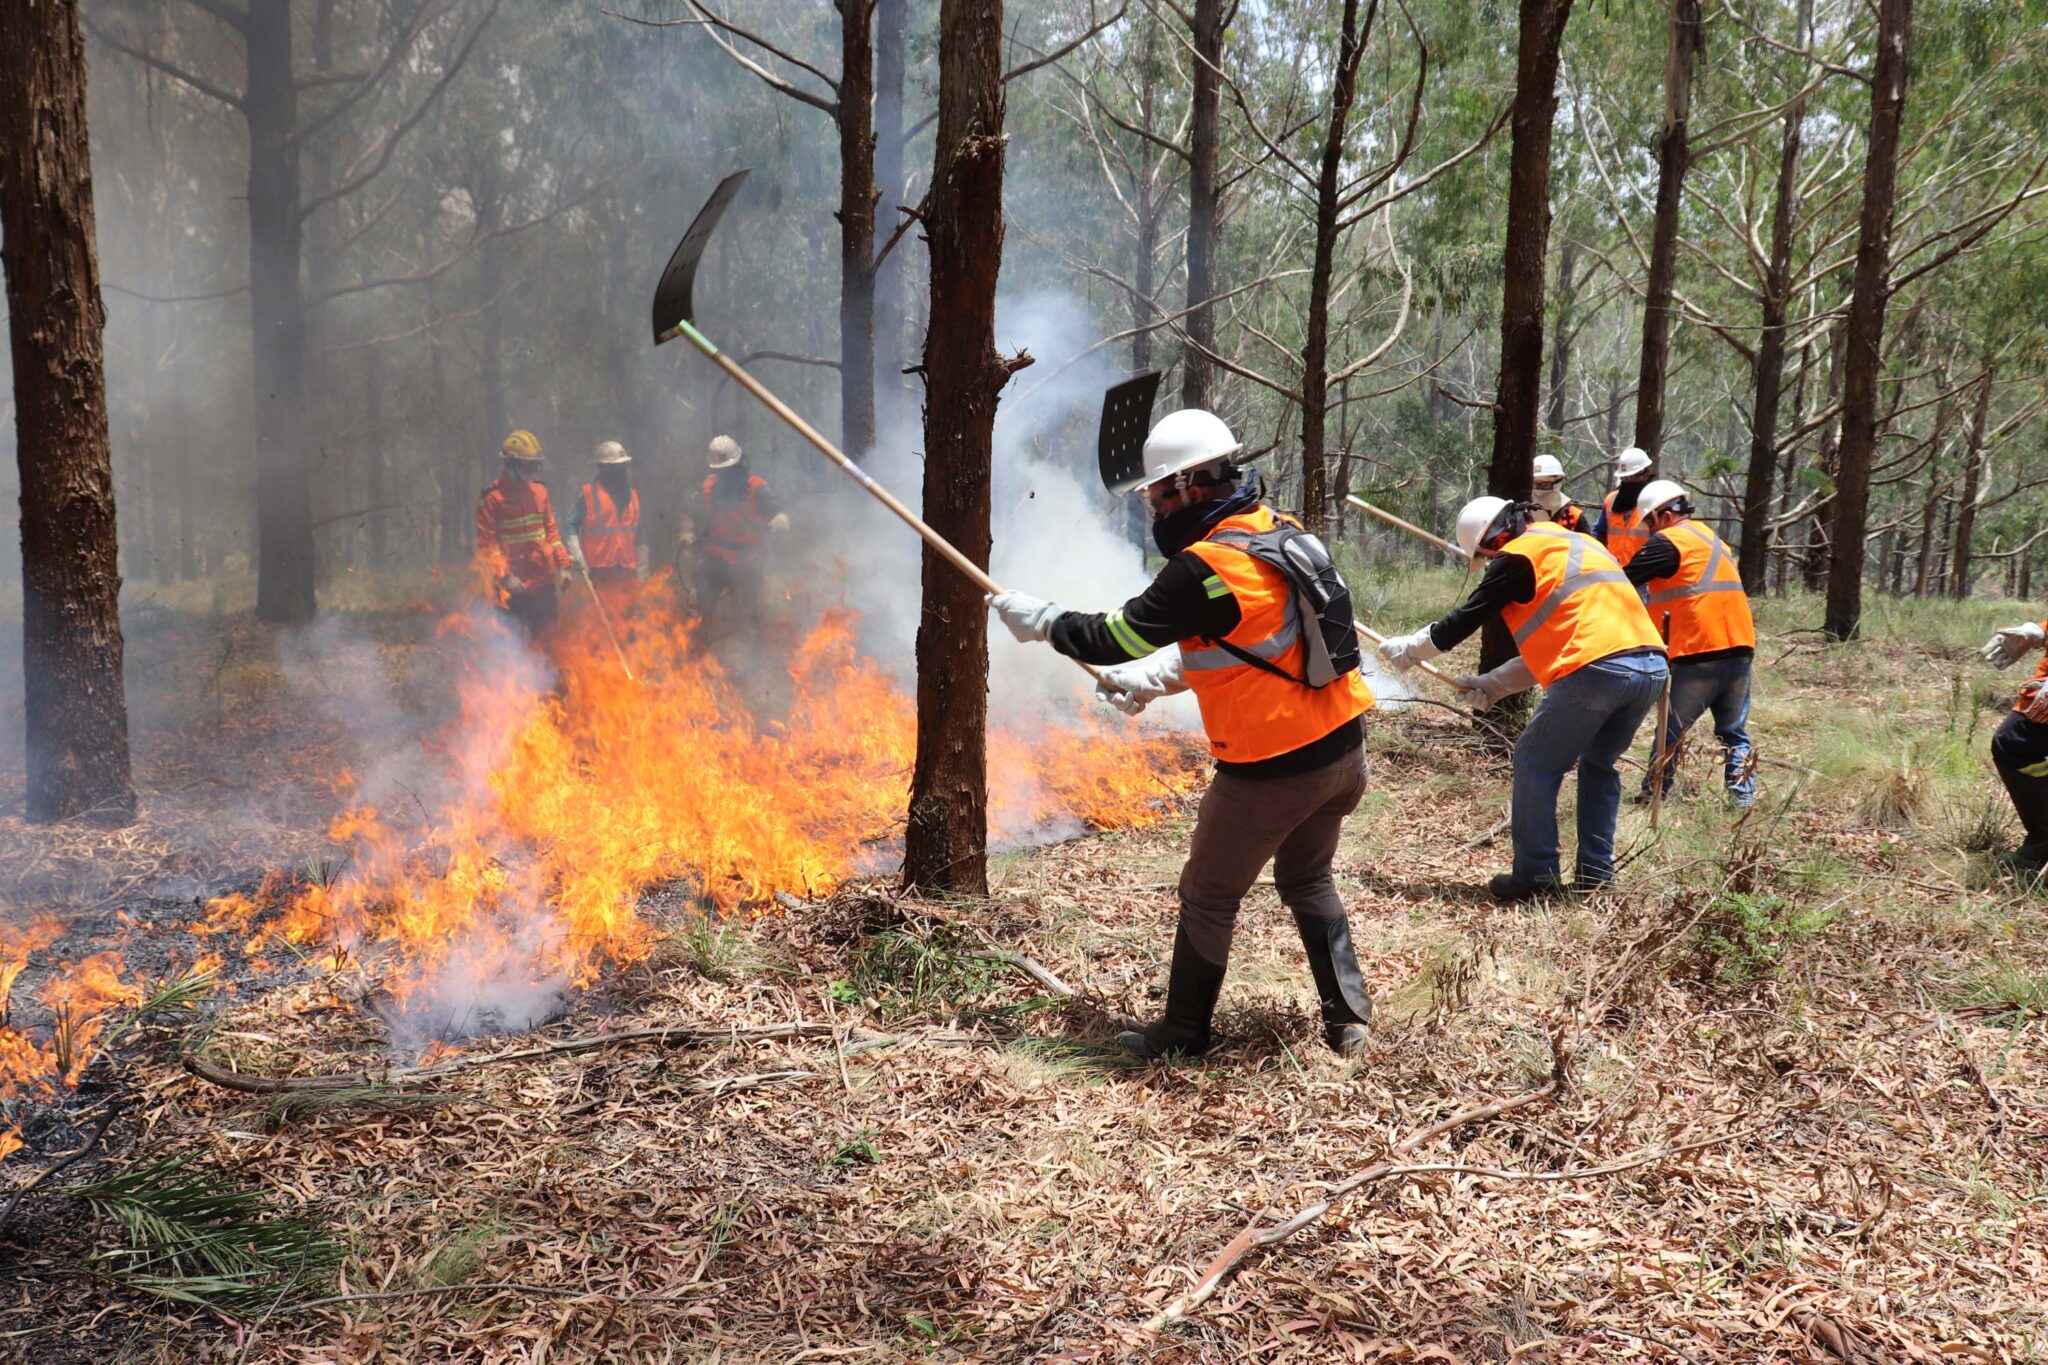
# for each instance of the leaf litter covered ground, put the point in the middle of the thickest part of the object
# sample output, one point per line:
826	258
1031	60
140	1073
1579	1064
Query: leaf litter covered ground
1840	997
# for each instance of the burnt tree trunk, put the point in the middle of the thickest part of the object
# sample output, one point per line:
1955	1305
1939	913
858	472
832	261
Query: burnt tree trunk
1204	201
855	116
1973	490
1315	355
945	846
74	702
1561	344
1672	156
1753	555
277	321
1864	331
1519	392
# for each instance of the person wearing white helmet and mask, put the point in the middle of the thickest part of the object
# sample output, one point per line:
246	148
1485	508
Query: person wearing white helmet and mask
1546	485
602	529
1690	579
1620	525
1283	711
1584	635
736	514
2019	748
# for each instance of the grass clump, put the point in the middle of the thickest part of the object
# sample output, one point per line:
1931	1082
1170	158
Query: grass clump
903	971
1746	934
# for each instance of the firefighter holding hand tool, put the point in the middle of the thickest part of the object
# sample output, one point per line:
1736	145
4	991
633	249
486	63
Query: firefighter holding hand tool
604	530
1270	654
737	513
517	539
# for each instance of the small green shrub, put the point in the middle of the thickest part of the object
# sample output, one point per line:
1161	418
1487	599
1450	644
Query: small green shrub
1746	934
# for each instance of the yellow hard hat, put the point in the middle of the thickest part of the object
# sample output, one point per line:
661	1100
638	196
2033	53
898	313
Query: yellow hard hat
521	445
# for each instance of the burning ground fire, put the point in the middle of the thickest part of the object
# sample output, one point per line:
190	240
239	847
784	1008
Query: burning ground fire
572	800
78	995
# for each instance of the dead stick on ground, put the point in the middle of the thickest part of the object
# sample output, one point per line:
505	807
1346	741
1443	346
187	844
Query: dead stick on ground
1489	836
62	1162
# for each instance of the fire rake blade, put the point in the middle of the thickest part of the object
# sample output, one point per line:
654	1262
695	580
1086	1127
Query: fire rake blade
674	308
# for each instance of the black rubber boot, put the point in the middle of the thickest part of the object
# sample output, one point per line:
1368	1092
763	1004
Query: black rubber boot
1192	986
1340	985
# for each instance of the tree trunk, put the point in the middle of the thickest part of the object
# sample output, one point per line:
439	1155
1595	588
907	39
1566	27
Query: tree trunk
1923	568
74	701
374	492
1204	201
1973	481
454	463
490	274
1864	331
1672	156
857	197
1828	461
946	843
1753	555
890	312
277	320
1315	354
1561	344
1149	204
1520	389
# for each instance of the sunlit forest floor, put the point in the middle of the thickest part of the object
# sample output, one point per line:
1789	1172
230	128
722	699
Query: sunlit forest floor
1838	1005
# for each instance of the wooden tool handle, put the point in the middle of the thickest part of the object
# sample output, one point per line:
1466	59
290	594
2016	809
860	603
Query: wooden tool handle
1369	633
1410	527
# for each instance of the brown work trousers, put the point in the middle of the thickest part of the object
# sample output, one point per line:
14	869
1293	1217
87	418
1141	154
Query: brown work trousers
1294	821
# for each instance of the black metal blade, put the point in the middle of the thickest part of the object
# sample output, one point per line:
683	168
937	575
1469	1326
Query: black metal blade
672	301
1126	419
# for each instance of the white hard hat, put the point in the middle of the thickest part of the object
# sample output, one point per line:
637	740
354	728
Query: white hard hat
611	452
1630	463
1477	515
1657	494
725	452
1547	467
1186	440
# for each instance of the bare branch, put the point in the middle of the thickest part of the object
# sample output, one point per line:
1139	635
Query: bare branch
234	18
177	73
400	45
1048	58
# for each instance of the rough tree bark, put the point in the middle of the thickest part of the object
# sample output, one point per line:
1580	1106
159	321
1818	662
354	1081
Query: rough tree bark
945	846
891	313
74	702
1561	344
1204	201
1672	156
1315	355
855	116
1864	331
1754	553
1519	392
1973	489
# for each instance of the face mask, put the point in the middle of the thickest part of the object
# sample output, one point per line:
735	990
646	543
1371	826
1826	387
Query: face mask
615	475
1550	499
519	473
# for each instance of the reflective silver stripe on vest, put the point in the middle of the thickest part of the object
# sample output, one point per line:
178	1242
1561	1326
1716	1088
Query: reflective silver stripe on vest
1269	649
1715	559
1573	580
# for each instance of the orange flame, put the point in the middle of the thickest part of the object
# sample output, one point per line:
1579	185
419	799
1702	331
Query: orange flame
79	996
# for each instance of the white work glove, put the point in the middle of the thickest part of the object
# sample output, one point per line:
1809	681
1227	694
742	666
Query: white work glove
575	552
1482	690
1029	618
779	522
1131	687
1403	652
2012	643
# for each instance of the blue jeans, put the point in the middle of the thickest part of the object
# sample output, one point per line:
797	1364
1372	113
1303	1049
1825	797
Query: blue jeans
1587	719
1720	686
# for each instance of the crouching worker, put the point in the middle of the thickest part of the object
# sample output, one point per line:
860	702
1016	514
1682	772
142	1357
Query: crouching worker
1584	635
1272	659
2019	750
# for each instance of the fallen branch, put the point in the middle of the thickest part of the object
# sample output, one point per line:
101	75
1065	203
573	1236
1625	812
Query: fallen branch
92	1140
1489	836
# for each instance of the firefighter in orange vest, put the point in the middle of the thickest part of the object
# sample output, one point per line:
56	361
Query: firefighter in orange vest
604	529
1620	524
517	540
2019	750
734	517
1691	578
1546	490
1584	635
1285	722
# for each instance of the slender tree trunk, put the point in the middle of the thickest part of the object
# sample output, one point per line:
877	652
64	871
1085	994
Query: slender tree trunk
1204	201
1973	481
373	451
454	463
1672	158
1864	331
490	274
277	316
1149	203
946	842
890	311
1930	506
1754	553
1520	389
857	196
1561	344
1828	461
74	700
1315	354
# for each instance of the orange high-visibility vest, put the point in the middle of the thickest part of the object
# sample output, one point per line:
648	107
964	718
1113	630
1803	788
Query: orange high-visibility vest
1709	610
2032	701
1584	609
1626	532
1249	713
611	538
735	528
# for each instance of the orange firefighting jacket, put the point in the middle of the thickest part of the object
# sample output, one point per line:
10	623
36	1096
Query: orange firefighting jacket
1626	532
515	524
611	538
1249	713
733	530
1584	609
1709	610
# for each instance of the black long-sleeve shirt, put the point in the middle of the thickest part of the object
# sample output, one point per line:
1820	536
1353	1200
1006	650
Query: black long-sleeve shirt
1509	578
1187	601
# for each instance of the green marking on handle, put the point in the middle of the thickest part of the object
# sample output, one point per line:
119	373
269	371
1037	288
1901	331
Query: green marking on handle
696	338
